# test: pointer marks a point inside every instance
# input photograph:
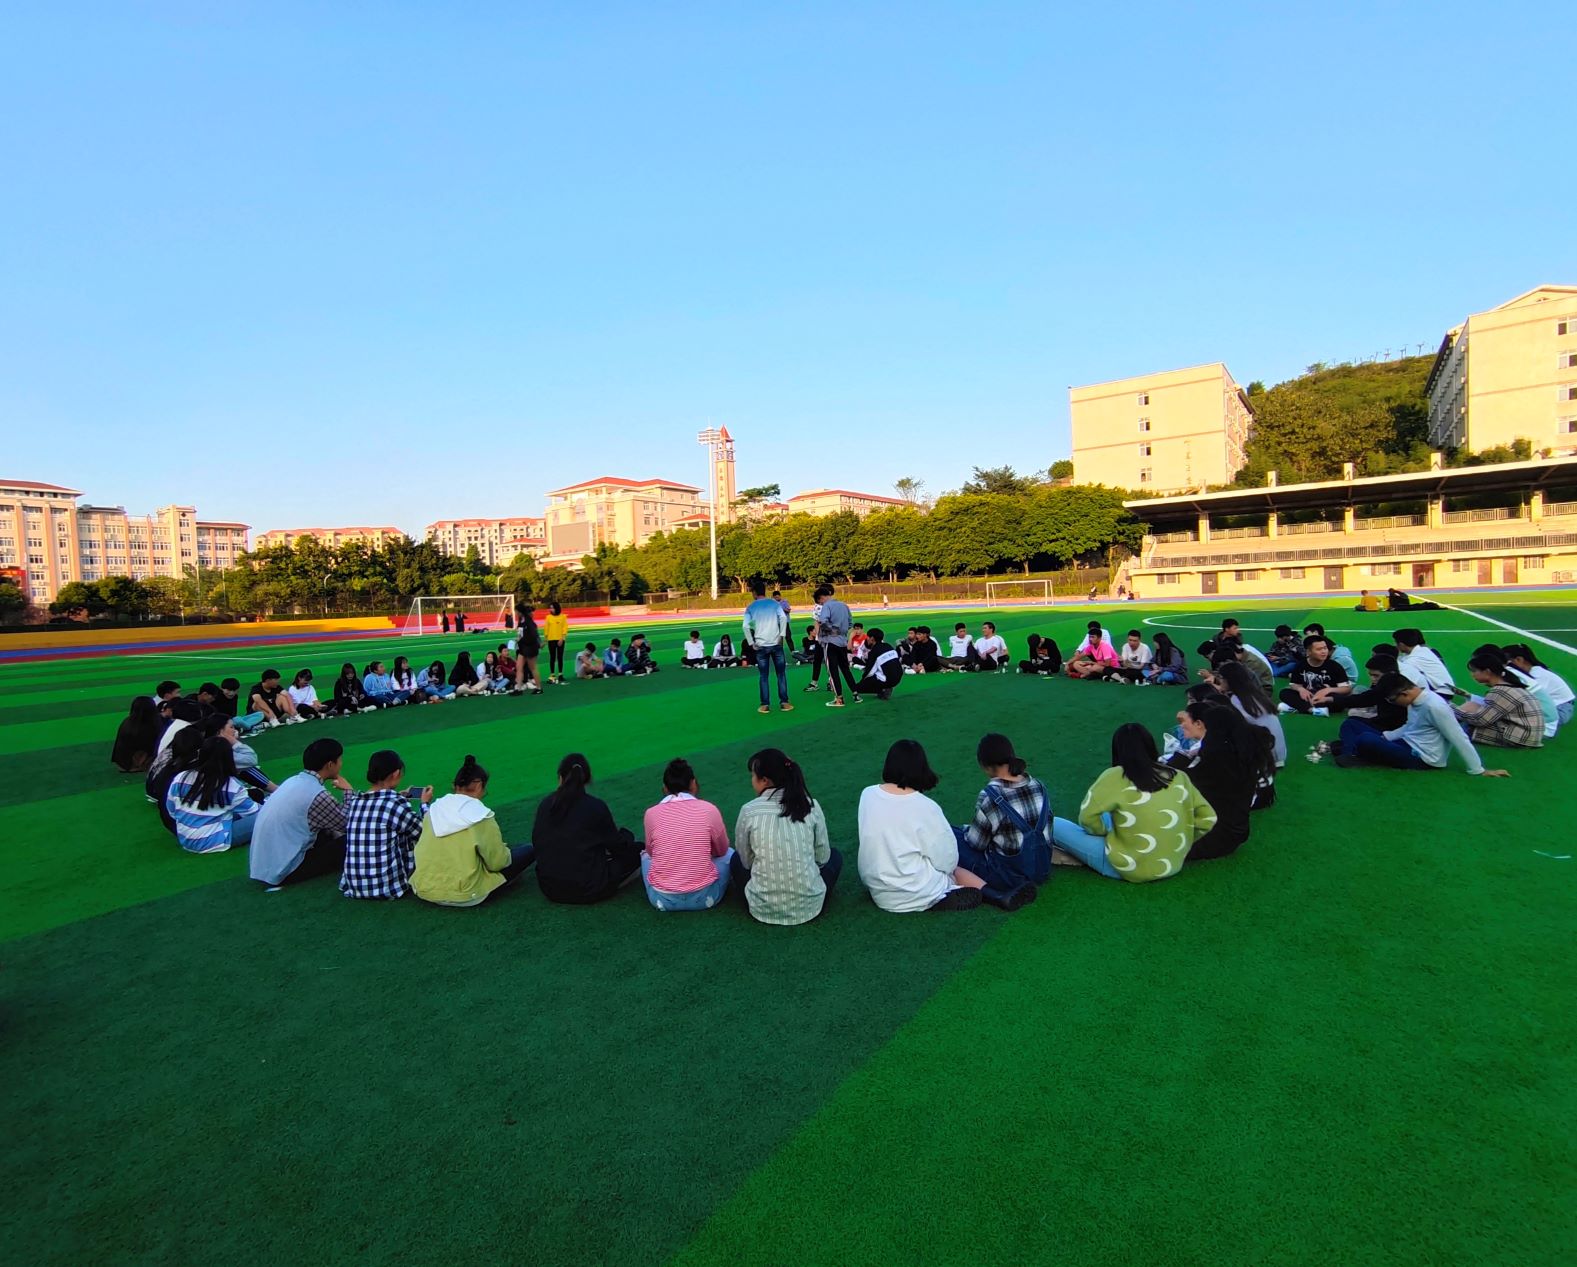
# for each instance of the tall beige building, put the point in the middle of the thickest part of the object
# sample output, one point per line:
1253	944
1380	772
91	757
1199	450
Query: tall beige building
329	536
497	541
51	541
1167	432
617	511
1509	374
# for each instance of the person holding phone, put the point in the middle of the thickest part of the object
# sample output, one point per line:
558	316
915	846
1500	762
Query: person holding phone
381	828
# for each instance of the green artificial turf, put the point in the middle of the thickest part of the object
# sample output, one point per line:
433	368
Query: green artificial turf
1350	1042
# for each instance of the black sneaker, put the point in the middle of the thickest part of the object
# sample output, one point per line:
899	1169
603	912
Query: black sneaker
1013	899
959	900
1346	760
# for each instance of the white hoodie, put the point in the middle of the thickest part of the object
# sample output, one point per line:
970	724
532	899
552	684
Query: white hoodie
452	814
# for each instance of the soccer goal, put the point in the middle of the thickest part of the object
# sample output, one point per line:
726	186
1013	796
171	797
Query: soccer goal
481	612
1018	591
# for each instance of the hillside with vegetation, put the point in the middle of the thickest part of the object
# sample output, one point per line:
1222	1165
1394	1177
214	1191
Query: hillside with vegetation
1374	415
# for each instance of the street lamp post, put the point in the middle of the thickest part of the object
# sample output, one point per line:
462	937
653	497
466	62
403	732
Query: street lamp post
713	439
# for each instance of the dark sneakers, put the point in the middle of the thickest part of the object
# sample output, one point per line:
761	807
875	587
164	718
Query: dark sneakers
959	900
1010	899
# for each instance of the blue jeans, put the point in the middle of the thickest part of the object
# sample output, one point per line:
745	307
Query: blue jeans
241	831
440	692
1089	849
248	721
1563	712
768	658
1361	740
700	900
1283	670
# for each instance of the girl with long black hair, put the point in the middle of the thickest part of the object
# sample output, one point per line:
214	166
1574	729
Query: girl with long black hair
1140	818
783	858
137	739
1232	770
1254	706
1168	665
210	806
583	856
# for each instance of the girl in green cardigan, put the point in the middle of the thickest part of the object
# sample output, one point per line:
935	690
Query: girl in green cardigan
1140	818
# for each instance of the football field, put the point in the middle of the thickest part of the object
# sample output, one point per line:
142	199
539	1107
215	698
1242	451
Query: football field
1354	1041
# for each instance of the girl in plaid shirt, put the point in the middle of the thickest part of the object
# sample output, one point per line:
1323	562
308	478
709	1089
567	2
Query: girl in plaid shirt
381	828
1008	845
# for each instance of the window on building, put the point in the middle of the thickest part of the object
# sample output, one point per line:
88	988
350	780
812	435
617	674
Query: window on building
1534	562
1568	360
1292	574
1561	327
1144	425
1168	578
1144	450
1567	426
1144	398
1248	574
1144	475
1384	569
1571	393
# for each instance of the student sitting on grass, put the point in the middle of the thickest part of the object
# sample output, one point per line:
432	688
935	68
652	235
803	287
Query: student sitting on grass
301	828
211	808
1339	653
990	649
348	695
1095	659
1285	652
270	698
1231	650
1520	656
1314	681
783	859
1042	657
433	683
1423	742
924	655
908	854
305	696
180	755
694	652
1241	688
508	667
1180	743
1093	635
379	686
461	857
230	689
1368	705
137	739
381	828
490	674
218	726
1168	665
1133	658
588	664
1419	663
583	856
1007	845
1140	818
809	652
166	692
961	647
686	858
640	656
858	640
465	679
883	669
723	654
1234	772
613	662
1505	716
1549	715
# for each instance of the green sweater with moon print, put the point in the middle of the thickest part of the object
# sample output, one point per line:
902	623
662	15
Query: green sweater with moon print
1151	832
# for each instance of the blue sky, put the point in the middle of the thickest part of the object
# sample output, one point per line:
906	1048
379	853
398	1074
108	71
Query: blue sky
389	263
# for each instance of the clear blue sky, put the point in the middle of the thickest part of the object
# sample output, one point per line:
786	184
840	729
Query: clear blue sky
305	264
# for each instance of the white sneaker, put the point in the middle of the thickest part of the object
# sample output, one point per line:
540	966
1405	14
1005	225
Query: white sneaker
1284	709
370	708
1320	712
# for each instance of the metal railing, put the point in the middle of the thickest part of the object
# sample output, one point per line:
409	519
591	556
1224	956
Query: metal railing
1491	514
1534	544
1319	525
1381	522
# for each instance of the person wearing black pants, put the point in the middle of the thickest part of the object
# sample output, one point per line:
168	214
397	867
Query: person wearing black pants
832	635
883	671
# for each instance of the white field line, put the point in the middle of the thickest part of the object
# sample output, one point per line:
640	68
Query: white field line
1527	635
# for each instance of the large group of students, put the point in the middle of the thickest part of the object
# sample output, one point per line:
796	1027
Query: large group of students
1155	809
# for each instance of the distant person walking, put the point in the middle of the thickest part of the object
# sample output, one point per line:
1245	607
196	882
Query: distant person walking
766	629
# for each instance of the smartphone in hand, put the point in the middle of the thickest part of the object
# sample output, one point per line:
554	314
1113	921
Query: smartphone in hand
414	793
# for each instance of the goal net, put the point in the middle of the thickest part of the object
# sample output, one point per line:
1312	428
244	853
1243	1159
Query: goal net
468	613
1018	591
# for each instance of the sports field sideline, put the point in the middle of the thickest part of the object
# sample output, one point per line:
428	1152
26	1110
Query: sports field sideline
1351	1042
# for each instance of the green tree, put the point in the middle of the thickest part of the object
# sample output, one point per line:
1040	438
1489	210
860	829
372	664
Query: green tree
910	489
122	597
79	600
997	479
166	596
12	601
1062	469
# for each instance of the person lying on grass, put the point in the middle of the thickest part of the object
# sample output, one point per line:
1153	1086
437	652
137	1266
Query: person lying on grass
908	854
783	859
1424	742
1140	818
583	856
686	858
461	857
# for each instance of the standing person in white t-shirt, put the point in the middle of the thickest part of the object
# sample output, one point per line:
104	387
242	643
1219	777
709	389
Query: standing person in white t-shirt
908	850
991	649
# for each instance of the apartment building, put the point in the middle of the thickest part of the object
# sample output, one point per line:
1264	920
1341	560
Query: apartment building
831	501
1167	432
1509	374
497	541
329	536
1460	528
51	541
615	511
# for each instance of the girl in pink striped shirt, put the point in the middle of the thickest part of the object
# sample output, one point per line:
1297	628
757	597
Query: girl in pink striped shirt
685	860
